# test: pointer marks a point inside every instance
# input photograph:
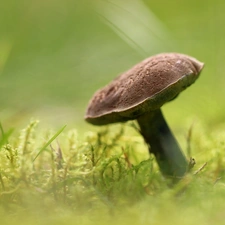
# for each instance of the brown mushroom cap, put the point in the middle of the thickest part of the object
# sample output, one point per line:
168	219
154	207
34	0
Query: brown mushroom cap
145	87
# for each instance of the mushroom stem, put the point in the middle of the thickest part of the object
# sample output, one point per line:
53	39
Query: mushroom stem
163	145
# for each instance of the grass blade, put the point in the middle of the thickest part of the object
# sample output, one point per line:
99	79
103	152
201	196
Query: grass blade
136	24
49	142
4	135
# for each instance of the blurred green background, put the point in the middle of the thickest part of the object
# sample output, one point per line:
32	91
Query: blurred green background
54	54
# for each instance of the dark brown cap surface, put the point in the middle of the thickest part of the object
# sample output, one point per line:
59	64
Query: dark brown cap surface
145	87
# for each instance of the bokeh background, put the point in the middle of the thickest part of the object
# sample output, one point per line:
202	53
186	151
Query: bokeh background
54	54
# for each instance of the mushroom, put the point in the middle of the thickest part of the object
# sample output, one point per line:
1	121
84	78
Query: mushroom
139	94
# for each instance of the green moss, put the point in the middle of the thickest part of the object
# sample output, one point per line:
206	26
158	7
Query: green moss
106	177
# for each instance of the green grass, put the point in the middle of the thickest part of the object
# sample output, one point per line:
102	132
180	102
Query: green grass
108	177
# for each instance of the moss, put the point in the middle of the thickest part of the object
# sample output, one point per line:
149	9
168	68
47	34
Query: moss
105	177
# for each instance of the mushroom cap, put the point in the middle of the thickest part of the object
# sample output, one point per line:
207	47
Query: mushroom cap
143	88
